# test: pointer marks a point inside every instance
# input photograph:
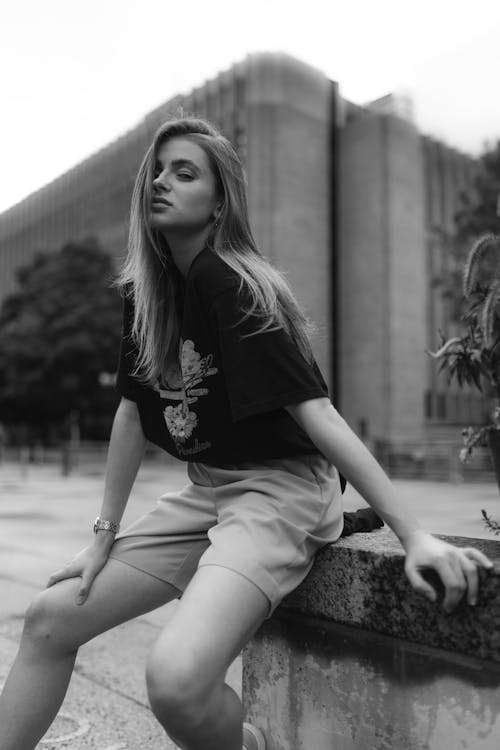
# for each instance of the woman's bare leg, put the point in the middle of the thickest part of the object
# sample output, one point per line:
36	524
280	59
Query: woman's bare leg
55	627
218	614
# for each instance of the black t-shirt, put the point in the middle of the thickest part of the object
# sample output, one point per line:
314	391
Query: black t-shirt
222	403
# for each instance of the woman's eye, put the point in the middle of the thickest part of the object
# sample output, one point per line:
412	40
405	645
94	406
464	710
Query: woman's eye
184	175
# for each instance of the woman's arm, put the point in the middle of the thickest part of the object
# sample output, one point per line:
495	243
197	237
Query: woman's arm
457	567
126	450
335	439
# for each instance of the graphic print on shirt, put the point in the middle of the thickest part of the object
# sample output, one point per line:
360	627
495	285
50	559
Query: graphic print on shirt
180	382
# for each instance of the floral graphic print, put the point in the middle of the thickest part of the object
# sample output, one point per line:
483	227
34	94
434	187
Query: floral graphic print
180	384
180	421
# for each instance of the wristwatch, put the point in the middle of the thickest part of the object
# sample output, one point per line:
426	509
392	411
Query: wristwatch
100	523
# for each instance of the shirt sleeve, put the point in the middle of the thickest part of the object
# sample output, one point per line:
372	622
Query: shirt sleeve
126	385
263	372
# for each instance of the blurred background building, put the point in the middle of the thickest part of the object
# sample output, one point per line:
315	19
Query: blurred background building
350	201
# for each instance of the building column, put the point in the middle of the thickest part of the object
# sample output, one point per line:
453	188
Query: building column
383	283
289	109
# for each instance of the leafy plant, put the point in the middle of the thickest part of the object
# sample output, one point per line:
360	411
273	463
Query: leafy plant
474	358
490	523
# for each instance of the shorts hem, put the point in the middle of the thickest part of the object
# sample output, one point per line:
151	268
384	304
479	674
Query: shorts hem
262	579
143	570
272	603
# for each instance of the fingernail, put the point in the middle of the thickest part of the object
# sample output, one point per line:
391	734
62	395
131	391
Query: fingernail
473	602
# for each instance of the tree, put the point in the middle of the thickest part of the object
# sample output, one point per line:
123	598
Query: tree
58	332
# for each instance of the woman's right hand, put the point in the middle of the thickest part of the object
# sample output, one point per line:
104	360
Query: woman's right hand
86	565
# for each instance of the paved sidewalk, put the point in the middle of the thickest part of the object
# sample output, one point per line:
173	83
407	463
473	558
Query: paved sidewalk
45	519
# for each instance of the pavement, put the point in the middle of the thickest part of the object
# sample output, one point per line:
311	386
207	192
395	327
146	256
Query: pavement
46	518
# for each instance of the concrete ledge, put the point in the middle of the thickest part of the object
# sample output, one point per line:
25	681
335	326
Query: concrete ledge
314	685
360	581
354	659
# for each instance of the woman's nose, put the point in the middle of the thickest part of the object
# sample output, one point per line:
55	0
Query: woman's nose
161	181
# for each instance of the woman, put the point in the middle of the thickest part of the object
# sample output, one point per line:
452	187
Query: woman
215	367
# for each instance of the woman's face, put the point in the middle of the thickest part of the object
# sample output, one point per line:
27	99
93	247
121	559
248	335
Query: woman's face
184	195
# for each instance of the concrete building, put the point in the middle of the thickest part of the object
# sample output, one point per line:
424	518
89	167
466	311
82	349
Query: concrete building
397	191
348	200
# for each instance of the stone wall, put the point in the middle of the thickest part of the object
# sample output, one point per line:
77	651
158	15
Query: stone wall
354	659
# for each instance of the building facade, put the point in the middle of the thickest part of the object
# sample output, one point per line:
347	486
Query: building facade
398	191
348	201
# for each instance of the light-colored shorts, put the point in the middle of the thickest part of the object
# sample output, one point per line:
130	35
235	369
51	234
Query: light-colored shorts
265	520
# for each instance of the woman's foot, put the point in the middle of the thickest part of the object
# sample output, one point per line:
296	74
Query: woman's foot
253	739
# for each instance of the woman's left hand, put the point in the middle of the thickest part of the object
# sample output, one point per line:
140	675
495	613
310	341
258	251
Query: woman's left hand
456	566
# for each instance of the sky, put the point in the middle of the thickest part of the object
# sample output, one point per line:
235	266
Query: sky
76	75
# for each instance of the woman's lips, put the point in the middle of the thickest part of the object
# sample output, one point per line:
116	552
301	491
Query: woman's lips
156	201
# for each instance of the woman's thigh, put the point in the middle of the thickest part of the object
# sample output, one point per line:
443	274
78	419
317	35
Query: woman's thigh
217	615
118	594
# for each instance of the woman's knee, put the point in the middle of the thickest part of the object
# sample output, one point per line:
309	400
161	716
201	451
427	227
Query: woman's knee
47	621
177	690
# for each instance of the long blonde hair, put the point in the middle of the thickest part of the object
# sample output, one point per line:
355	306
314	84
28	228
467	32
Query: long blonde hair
152	279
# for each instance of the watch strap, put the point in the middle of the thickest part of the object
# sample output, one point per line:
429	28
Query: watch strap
101	524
